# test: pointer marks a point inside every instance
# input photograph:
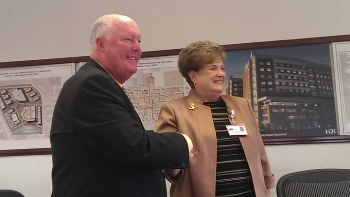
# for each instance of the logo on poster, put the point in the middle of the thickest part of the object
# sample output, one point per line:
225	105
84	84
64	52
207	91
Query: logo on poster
331	131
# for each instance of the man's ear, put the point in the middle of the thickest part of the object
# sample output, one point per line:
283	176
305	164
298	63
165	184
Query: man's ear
100	45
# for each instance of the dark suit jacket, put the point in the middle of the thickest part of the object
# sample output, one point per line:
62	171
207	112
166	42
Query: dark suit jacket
99	146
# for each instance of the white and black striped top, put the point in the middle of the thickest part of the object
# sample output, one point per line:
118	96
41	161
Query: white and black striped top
233	177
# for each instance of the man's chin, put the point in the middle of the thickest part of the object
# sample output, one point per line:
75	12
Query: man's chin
132	71
131	67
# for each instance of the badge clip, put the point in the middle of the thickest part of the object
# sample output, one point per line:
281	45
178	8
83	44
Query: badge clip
232	116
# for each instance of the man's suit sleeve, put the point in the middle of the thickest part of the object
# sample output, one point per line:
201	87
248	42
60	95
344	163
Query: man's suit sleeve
102	117
167	123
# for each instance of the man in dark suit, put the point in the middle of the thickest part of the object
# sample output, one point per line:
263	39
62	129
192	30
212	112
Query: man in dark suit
99	146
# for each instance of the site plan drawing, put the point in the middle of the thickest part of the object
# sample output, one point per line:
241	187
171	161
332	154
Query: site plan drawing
27	99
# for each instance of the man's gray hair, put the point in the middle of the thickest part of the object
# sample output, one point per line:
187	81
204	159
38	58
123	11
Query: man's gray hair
102	27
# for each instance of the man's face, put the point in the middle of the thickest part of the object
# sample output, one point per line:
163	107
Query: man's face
122	50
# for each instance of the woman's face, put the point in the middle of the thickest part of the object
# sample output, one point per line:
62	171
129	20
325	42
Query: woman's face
210	80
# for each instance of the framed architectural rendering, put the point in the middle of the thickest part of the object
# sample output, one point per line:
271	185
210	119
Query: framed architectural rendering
27	99
290	88
295	87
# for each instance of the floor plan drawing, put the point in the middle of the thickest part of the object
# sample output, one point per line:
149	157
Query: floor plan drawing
156	81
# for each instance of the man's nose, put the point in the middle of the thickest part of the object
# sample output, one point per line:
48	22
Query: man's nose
137	46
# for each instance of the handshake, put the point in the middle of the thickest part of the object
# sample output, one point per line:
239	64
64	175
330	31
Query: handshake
175	172
189	144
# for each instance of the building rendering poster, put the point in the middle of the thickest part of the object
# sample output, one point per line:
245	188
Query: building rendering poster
291	89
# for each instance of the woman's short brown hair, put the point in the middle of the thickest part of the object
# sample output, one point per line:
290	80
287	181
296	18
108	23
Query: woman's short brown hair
198	54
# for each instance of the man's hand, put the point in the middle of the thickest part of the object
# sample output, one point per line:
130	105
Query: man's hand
173	172
189	144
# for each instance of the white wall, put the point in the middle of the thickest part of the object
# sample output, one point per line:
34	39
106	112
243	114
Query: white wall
40	29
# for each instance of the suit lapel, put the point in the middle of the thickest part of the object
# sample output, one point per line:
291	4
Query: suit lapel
129	105
131	108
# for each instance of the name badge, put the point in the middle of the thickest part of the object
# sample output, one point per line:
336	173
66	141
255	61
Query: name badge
238	129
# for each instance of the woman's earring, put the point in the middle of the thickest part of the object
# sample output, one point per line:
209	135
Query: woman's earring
195	84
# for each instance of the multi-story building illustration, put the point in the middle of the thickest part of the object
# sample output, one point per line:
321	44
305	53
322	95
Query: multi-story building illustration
235	87
291	97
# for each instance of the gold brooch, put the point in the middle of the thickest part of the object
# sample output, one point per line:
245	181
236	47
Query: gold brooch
192	106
